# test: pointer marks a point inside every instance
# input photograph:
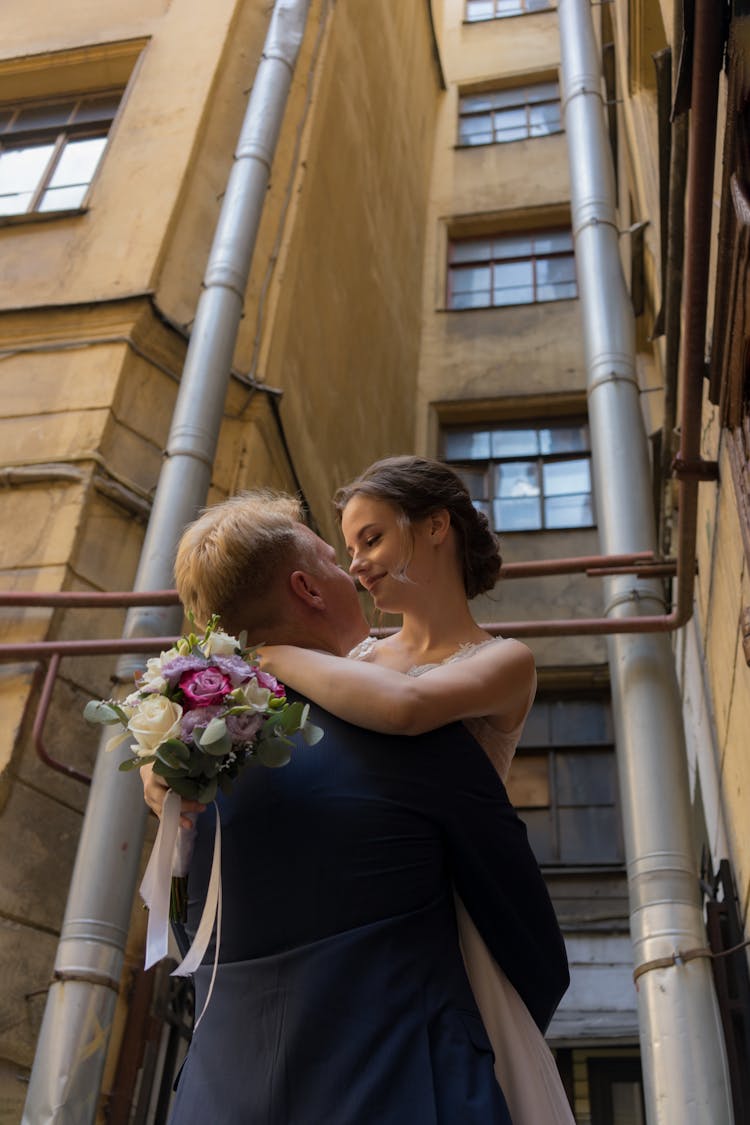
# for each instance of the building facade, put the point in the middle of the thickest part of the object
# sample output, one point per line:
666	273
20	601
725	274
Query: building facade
414	286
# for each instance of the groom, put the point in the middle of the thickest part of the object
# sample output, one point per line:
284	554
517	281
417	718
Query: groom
341	995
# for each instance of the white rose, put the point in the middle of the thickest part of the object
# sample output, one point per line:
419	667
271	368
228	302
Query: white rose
154	721
253	695
151	679
221	644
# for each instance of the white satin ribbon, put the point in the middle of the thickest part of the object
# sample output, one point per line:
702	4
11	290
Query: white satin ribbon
155	892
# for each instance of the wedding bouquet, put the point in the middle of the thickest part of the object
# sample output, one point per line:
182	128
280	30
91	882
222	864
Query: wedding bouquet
200	712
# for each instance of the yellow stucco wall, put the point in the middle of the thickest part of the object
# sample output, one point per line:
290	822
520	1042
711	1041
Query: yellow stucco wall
94	313
525	353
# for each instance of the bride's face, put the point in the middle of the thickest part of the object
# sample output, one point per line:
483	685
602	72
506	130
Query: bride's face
390	556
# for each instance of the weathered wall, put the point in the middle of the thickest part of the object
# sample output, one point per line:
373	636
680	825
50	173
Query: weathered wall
94	313
525	353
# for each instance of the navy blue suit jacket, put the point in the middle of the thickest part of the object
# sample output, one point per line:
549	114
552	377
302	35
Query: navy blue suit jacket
341	996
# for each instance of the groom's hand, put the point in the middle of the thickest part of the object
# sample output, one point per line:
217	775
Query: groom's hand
155	790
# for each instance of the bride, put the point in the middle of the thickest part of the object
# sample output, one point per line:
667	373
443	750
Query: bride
420	549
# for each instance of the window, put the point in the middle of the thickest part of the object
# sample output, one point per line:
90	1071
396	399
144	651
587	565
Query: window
49	151
563	783
526	477
515	269
498	116
616	1091
497	9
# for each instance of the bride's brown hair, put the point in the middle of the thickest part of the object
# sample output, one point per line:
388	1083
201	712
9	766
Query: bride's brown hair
417	487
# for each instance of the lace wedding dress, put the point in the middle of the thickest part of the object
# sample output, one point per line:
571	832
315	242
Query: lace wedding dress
524	1064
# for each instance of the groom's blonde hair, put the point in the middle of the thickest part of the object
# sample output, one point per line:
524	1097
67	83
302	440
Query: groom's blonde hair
232	559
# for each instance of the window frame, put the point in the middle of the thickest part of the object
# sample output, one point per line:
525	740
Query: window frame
59	136
522	10
490	465
555	747
495	260
523	102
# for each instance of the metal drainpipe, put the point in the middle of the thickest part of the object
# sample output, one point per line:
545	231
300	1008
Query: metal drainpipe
72	1045
684	1064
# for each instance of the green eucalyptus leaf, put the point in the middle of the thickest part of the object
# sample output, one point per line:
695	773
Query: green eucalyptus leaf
214	732
312	734
207	792
219	749
274	752
100	711
130	764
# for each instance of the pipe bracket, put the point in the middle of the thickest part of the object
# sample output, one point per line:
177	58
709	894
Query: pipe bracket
62	976
697	469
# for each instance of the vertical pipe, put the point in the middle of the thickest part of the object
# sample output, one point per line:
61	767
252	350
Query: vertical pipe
72	1045
684	1064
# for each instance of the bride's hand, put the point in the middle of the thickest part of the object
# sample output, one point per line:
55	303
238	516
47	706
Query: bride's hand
155	790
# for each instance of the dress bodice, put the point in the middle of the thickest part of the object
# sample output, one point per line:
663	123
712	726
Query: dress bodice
498	745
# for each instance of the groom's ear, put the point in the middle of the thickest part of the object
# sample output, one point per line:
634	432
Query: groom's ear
306	587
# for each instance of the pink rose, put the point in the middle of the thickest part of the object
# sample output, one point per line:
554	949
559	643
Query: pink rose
205	687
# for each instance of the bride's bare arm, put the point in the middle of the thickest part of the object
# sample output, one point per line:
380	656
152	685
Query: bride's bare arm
497	680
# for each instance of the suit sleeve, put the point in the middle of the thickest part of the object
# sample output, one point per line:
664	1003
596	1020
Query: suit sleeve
496	873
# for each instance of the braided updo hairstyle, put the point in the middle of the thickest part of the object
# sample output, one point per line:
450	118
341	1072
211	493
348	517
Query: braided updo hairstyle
417	487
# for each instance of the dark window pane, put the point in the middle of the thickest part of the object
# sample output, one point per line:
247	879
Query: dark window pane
589	835
541	833
554	270
473	250
44	117
510	119
475	130
585	778
466	445
476	103
503	297
512	275
581	722
536	728
542	92
478	300
517	478
553	242
544	119
537	5
6	116
514	133
561	291
517	247
515	443
564	439
568	511
563	478
469	279
516	515
102	108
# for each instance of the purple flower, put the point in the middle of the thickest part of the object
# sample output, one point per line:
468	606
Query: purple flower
266	680
205	687
180	665
197	719
234	667
244	727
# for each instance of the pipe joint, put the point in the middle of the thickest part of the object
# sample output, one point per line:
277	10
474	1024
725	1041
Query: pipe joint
634	596
253	149
612	376
222	275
